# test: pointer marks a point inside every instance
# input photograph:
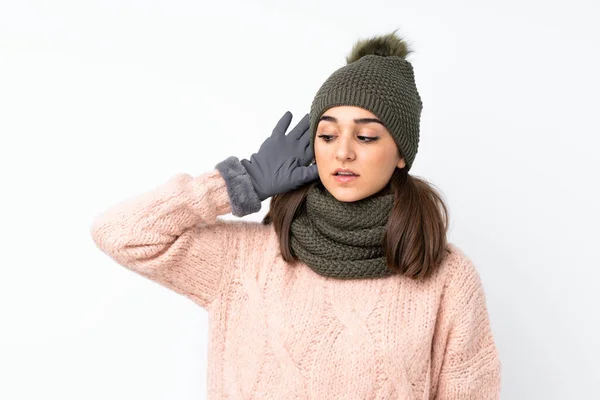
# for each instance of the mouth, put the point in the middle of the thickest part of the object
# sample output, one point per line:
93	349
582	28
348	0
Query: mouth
344	178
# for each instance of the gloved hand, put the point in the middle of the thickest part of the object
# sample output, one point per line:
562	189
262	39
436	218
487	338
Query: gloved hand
282	162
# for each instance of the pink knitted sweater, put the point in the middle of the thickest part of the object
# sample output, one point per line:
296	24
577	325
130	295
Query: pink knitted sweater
285	332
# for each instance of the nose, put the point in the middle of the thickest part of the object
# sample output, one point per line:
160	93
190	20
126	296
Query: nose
344	150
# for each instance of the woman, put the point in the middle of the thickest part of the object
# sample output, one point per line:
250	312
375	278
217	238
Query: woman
348	288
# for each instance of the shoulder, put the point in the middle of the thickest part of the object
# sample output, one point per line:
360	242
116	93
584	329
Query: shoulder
251	229
458	262
242	228
455	263
251	235
461	277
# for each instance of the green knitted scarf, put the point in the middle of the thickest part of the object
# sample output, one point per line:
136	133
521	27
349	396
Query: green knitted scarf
342	239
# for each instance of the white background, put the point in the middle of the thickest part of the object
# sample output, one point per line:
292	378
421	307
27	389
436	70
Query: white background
102	100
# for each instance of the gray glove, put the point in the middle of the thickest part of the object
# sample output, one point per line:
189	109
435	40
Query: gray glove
282	162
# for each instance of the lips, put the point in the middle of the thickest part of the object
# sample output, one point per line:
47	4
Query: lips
345	178
342	172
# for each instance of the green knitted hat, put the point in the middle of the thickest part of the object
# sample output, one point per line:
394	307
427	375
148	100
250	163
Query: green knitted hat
379	79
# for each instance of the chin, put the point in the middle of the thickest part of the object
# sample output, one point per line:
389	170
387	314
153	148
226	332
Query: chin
346	195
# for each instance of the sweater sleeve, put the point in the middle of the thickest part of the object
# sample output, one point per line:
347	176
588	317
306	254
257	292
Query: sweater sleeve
471	365
171	234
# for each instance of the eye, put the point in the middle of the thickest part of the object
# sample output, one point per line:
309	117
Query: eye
364	139
367	139
326	138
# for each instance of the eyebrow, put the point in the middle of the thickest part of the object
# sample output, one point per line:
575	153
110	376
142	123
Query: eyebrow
357	120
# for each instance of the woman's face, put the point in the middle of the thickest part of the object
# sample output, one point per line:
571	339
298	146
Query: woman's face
350	137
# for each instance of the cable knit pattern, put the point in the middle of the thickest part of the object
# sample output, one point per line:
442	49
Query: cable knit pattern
285	332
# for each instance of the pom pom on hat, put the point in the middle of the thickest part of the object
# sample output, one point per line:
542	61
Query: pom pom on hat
381	45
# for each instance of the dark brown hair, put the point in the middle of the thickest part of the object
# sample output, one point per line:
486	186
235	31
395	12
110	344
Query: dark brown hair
415	238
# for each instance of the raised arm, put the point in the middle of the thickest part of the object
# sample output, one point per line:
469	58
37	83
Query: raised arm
171	234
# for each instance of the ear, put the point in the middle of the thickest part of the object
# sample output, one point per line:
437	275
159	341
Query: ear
401	164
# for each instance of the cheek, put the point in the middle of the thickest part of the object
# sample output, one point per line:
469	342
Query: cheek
377	154
380	160
320	152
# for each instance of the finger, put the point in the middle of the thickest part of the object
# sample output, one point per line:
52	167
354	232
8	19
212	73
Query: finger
308	154
283	124
305	174
300	128
305	137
